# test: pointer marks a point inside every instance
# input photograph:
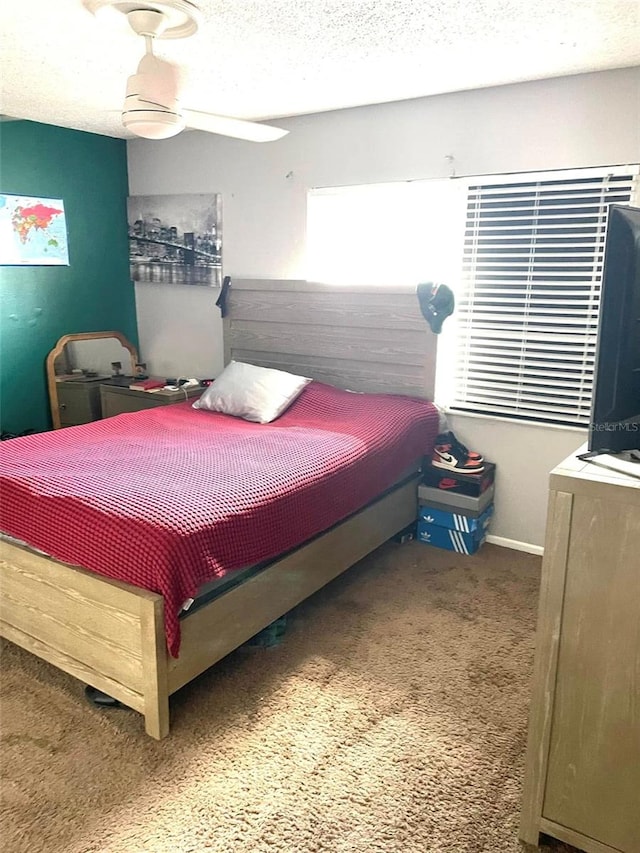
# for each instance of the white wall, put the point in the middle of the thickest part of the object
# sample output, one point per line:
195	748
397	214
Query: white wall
586	120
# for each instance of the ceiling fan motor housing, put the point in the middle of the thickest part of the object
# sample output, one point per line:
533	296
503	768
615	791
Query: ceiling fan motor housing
151	106
147	119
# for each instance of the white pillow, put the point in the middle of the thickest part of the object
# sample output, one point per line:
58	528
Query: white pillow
257	394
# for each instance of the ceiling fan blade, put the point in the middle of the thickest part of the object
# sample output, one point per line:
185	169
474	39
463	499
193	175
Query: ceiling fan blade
238	128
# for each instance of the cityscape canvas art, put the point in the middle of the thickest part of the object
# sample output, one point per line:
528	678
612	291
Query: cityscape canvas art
176	239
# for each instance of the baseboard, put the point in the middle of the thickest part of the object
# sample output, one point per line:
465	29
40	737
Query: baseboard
516	545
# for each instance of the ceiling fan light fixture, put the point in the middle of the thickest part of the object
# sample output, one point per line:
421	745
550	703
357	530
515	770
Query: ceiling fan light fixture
152	124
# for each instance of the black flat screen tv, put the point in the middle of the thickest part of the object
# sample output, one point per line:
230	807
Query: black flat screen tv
615	412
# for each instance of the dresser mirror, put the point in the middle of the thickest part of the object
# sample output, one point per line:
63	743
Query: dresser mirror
76	367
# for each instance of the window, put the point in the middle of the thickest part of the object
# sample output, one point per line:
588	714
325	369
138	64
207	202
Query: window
523	254
527	308
396	233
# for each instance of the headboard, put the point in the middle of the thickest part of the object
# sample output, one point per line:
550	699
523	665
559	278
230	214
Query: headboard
365	339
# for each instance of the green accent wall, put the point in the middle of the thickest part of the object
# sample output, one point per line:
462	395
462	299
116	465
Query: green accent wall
94	293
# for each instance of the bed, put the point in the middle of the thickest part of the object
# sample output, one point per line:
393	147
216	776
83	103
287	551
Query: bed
125	639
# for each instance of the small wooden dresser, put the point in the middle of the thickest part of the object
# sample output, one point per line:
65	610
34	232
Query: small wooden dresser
582	778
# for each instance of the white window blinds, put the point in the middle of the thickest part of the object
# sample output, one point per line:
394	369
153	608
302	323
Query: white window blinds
527	307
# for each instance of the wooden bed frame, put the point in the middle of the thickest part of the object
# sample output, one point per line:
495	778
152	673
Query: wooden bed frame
111	635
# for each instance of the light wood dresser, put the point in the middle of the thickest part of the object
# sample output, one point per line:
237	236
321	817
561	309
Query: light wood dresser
582	778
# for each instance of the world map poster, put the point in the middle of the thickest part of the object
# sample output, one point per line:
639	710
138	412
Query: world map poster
33	231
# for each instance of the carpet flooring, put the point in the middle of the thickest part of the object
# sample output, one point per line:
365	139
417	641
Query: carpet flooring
391	717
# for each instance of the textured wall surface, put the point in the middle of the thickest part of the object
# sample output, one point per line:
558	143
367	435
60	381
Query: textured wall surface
572	122
40	304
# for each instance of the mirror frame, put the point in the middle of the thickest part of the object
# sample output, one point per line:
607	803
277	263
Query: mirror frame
57	350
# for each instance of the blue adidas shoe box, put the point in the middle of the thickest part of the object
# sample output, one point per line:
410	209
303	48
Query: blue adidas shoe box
453	530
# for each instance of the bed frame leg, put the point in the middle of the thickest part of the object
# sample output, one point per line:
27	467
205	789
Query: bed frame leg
154	665
156	719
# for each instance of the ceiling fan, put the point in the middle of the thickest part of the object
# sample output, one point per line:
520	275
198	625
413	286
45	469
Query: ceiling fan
152	103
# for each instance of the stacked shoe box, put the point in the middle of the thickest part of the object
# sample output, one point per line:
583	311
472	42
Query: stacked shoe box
455	506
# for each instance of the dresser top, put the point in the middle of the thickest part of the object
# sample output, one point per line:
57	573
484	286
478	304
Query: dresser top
605	470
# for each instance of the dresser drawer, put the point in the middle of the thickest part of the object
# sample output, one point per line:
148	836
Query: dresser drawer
118	400
121	404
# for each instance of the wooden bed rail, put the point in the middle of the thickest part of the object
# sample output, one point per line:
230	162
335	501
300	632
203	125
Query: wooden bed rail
111	635
102	632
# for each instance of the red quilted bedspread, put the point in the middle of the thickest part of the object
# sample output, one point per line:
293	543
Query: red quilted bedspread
169	498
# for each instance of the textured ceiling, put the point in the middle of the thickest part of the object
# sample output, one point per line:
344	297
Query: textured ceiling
263	59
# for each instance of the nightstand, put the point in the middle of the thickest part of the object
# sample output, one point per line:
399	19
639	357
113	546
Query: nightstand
118	400
79	401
